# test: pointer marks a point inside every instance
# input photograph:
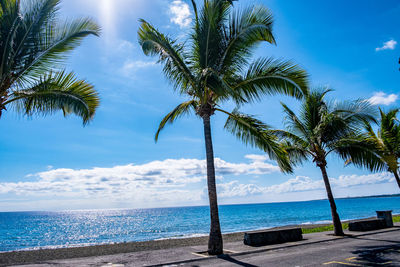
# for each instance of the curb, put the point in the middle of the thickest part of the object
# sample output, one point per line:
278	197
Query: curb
333	238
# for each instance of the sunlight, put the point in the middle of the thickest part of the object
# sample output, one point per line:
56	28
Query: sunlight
107	18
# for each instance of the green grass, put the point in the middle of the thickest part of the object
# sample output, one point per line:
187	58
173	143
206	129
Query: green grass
322	229
396	219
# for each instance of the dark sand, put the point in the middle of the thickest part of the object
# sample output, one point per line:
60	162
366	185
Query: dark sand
40	255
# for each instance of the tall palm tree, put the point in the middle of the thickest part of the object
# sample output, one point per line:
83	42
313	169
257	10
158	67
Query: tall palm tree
322	128
215	67
385	143
33	46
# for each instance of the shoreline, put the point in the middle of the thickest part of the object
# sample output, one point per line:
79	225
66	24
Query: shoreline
305	225
46	254
40	255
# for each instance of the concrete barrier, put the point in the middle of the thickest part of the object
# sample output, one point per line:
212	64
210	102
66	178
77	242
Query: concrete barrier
367	225
386	215
269	237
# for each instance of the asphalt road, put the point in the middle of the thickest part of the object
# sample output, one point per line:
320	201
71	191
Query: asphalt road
382	249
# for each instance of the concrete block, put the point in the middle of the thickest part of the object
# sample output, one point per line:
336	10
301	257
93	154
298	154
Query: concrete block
269	237
367	225
386	215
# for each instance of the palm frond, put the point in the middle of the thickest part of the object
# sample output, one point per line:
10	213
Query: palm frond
289	136
344	118
196	14
246	29
389	131
313	109
208	35
54	92
297	153
170	53
357	111
11	23
220	88
253	132
324	127
294	124
51	46
270	77
386	142
357	150
180	110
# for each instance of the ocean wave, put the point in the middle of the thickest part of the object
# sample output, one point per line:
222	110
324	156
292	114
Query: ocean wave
182	236
61	246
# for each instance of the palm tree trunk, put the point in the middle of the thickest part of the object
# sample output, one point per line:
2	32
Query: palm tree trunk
396	175
337	224
215	245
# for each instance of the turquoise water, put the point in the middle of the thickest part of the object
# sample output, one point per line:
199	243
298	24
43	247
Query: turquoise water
32	230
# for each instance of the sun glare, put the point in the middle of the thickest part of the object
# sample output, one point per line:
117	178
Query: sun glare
107	18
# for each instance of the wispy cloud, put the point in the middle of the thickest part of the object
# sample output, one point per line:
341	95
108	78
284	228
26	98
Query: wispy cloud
180	13
301	184
125	47
257	157
127	59
389	45
130	66
381	98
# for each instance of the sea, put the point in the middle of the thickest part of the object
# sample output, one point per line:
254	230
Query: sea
41	229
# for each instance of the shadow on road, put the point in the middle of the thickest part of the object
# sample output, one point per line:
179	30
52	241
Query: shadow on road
235	261
388	255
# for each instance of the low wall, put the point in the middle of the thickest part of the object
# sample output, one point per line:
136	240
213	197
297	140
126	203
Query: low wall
367	225
269	237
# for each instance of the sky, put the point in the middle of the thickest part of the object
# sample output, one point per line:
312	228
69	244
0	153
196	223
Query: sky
54	163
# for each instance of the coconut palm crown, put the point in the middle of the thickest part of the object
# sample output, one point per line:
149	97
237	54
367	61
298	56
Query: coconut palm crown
213	67
34	44
322	128
385	143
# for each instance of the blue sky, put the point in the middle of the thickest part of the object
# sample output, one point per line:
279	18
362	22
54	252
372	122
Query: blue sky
53	163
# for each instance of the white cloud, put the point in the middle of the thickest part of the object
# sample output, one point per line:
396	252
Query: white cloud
125	47
165	183
126	51
126	59
156	180
301	184
355	180
180	13
389	45
297	184
131	66
235	189
381	98
256	157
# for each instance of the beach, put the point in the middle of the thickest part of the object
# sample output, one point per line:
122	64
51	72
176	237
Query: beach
40	255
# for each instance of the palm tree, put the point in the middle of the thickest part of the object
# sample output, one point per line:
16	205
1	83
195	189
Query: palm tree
385	143
33	46
214	68
322	128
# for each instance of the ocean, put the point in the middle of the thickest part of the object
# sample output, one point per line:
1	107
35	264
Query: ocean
34	230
